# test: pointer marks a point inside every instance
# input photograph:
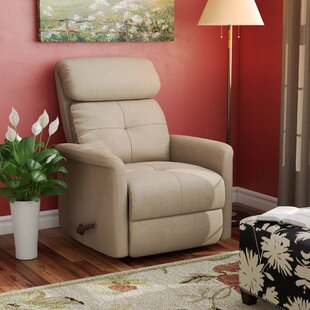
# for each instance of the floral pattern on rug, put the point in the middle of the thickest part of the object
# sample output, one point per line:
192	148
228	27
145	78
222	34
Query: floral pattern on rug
208	283
275	263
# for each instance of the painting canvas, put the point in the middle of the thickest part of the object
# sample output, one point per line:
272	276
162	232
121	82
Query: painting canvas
106	20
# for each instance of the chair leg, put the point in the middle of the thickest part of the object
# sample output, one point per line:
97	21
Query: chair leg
248	299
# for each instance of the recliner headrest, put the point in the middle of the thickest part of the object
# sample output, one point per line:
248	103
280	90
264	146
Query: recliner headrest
108	78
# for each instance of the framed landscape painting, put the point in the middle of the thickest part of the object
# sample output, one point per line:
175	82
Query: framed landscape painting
106	20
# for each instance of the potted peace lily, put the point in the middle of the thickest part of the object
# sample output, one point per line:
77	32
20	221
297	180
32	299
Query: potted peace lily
27	172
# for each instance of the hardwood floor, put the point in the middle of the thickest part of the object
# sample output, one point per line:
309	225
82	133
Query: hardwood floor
62	258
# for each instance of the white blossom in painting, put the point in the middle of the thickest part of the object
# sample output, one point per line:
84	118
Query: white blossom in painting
97	20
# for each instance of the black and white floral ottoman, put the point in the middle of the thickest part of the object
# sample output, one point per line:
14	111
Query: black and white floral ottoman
275	264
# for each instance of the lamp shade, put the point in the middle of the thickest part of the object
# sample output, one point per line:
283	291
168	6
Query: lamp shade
230	12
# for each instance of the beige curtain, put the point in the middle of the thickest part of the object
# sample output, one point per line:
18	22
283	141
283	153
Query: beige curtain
294	185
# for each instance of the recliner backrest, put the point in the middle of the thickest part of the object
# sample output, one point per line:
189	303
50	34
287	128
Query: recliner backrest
108	99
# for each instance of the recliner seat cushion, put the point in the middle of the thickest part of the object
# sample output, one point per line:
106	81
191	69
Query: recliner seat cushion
162	189
133	130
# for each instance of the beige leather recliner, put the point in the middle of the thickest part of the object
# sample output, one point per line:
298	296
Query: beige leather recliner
145	192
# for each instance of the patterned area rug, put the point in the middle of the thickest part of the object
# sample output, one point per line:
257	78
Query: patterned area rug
209	283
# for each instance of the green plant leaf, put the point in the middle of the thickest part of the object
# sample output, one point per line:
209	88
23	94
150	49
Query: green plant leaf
26	149
14	183
38	176
23	172
9	168
33	165
12	198
34	198
5	192
56	169
3	178
53	191
57	159
44	154
40	144
56	182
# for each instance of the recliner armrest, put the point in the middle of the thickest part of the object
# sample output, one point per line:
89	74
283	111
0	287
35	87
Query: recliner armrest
90	154
210	154
97	194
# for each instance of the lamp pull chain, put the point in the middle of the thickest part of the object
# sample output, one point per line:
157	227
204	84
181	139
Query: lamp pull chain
239	32
221	32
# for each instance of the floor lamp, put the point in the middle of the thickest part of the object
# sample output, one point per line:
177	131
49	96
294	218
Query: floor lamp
230	13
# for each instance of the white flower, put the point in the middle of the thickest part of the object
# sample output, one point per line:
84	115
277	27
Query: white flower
47	13
120	6
137	20
306	256
84	27
156	35
251	276
14	117
36	128
46	34
148	22
135	7
71	23
276	250
50	158
303	272
156	10
76	17
100	13
102	2
44	119
302	236
10	134
53	127
272	228
133	29
297	303
118	26
271	295
18	137
93	7
127	15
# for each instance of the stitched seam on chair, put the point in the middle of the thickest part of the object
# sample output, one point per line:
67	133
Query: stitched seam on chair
153	124
180	191
82	132
126	129
121	128
170	216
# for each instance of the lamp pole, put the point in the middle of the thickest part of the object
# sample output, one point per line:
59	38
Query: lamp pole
231	13
229	84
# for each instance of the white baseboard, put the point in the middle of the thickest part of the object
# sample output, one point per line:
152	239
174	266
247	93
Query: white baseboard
47	219
254	199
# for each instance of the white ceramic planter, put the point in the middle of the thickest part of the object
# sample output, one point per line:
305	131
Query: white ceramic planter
25	217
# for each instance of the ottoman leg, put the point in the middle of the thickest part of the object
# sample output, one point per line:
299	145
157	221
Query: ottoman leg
248	299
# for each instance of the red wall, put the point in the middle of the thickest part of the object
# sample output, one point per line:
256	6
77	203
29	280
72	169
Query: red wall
193	75
259	101
192	71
